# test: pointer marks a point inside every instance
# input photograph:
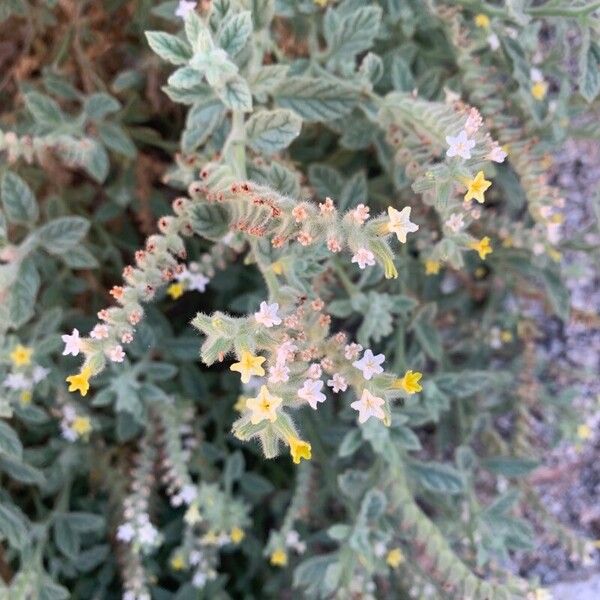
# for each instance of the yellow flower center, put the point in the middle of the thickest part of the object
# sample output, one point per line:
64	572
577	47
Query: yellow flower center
279	558
175	290
21	355
81	426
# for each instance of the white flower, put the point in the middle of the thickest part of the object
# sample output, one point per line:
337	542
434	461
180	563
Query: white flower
493	41
351	351
536	75
496	154
195	557
72	343
337	383
199	579
198	282
311	392
286	351
364	257
368	406
17	381
369	365
267	315
315	371
184	8
292	540
39	373
125	532
279	373
538	248
460	145
148	534
116	354
495	339
99	332
69	413
188	493
400	223
67	432
455	222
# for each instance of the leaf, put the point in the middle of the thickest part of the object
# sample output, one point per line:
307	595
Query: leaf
509	466
84	522
437	477
94	160
373	505
97	106
23	293
116	138
402	77
21	471
186	78
80	258
169	48
589	68
10	444
352	34
43	109
67	540
316	99
271	130
201	121
354	191
267	78
236	94
18	200
466	383
326	181
284	180
60	235
558	293
13	525
234	32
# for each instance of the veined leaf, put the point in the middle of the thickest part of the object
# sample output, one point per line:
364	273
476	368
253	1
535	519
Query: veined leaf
271	130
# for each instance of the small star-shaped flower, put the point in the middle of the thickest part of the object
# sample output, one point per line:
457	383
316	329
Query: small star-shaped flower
400	223
369	364
459	145
369	406
249	365
264	406
267	314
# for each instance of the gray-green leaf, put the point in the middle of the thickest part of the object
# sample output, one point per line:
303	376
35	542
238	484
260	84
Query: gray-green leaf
18	199
271	130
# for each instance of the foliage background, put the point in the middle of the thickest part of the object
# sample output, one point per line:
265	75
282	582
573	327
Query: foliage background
92	149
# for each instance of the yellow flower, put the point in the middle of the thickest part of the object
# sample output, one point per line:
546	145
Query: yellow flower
482	21
178	562
299	449
476	188
175	290
554	254
584	432
432	267
480	272
264	406
321	3
210	538
249	365
539	90
192	515
80	382
279	558
508	242
25	397
237	535
482	247
506	336
240	404
542	594
410	382
395	558
277	267
81	426
21	355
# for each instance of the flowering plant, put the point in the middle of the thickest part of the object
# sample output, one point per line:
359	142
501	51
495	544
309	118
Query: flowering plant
353	211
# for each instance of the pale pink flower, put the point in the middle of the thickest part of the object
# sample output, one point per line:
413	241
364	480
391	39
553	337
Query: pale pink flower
369	406
100	332
279	373
363	258
460	145
285	351
72	343
327	207
184	8
455	222
474	122
496	154
338	383
360	214
351	351
333	245
369	364
315	371
311	392
116	354
267	315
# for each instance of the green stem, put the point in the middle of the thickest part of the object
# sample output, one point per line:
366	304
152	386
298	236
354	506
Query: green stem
350	288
